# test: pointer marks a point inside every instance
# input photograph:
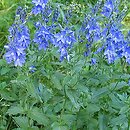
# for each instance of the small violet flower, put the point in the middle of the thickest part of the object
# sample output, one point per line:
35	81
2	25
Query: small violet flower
93	61
42	37
64	40
39	6
108	8
19	40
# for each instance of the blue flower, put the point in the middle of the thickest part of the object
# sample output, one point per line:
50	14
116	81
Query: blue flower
126	54
129	82
42	37
108	8
23	36
63	54
128	38
21	13
15	54
39	6
93	61
93	30
46	13
64	40
55	15
19	41
32	69
41	3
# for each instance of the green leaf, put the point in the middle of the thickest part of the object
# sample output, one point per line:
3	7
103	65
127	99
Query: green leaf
125	76
92	108
124	110
57	126
78	66
60	128
102	122
44	93
118	120
8	95
103	78
68	119
4	70
116	102
21	121
3	85
56	79
73	98
37	115
2	62
62	13
66	80
14	110
58	107
93	124
121	84
99	93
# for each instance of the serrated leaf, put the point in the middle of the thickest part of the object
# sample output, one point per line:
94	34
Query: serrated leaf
2	62
118	120
93	124
100	92
58	107
73	99
14	110
3	85
44	93
116	102
121	85
124	110
125	76
73	80
66	80
4	70
8	95
57	126
92	108
37	115
60	128
102	122
21	121
56	81
68	119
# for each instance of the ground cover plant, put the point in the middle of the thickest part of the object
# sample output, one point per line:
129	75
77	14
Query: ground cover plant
66	68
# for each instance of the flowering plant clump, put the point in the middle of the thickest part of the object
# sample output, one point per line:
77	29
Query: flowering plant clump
113	43
66	70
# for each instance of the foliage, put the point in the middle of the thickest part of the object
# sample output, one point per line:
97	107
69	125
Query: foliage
65	69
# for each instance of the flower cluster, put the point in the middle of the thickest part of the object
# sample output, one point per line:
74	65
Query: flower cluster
19	40
64	40
21	15
108	8
42	36
93	30
55	15
114	44
39	6
100	32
